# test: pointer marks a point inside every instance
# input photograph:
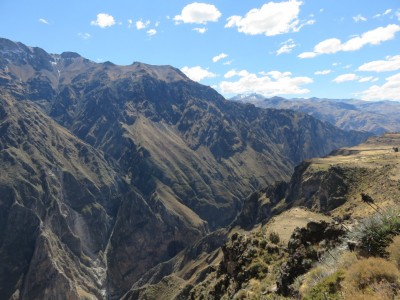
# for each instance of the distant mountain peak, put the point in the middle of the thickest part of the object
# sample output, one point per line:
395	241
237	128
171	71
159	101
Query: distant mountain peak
69	55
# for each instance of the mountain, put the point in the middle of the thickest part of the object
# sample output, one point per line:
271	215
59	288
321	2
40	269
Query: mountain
112	170
348	114
293	235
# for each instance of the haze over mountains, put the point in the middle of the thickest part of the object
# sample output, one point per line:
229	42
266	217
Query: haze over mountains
348	114
110	170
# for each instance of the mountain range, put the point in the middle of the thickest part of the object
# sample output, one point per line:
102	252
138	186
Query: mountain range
108	171
377	117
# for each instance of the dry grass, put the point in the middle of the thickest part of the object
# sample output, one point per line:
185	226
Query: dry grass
394	251
374	277
285	223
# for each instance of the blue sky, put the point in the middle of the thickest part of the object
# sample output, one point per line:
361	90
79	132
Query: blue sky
310	48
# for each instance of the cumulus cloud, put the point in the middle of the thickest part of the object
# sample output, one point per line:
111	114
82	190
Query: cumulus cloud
197	73
359	18
323	72
200	29
345	77
388	91
266	83
286	47
43	21
372	37
151	32
392	63
142	25
84	35
198	13
103	20
271	19
219	57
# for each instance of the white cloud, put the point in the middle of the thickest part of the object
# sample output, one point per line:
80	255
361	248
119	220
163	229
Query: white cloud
392	63
345	77
200	29
142	25
268	84
130	23
307	55
199	13
388	91
103	20
233	73
323	72
271	19
156	24
43	21
368	79
197	73
386	12
151	32
227	63
359	18
286	47
328	46
346	67
219	57
398	14
84	35
372	37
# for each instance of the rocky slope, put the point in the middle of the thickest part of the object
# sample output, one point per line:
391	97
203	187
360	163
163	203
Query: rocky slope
348	114
140	164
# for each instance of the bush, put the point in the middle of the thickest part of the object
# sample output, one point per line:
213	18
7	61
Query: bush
257	270
394	251
274	238
328	288
376	233
372	277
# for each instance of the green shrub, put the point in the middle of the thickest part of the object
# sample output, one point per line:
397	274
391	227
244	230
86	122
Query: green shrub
274	238
376	233
257	270
328	288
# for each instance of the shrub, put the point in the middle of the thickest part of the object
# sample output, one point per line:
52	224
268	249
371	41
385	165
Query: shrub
375	233
372	277
257	270
328	288
274	238
394	251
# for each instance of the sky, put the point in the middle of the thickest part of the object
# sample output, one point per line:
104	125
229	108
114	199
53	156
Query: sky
338	49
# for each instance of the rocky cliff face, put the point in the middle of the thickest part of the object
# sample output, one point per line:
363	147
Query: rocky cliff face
109	170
